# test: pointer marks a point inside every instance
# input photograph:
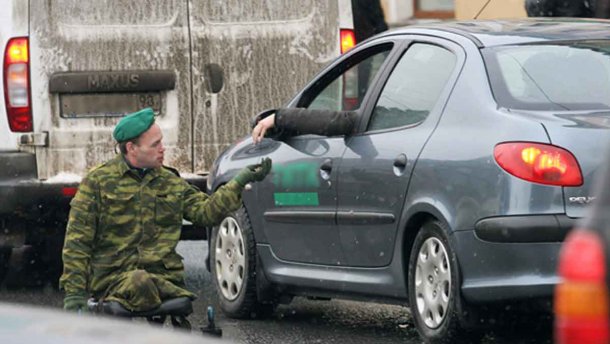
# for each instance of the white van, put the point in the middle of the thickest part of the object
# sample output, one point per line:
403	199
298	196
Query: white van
72	68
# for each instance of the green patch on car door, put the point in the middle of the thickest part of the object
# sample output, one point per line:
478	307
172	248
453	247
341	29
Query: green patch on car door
301	175
297	176
296	198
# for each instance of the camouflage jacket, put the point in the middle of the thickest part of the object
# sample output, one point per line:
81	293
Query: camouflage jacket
120	222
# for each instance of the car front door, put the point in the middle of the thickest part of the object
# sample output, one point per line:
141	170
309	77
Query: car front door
301	226
376	166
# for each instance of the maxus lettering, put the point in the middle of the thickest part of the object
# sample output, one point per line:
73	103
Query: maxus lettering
110	81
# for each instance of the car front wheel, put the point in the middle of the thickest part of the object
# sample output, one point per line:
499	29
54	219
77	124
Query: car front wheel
233	267
434	286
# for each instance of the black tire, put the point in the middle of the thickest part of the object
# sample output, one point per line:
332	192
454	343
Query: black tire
4	259
236	300
435	300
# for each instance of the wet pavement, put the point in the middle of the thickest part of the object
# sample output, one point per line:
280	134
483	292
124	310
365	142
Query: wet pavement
303	320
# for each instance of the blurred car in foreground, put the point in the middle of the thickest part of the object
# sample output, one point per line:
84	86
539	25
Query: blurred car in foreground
26	324
581	303
471	161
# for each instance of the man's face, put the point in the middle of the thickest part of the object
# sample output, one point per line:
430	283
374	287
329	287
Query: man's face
148	151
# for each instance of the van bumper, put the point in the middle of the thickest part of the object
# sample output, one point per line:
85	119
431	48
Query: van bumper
27	202
23	195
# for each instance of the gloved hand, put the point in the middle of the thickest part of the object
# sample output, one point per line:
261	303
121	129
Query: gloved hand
253	173
75	303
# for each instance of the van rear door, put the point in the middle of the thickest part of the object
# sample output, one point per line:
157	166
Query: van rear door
266	51
94	61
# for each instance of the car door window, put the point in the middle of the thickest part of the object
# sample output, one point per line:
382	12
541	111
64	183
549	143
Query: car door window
347	90
413	87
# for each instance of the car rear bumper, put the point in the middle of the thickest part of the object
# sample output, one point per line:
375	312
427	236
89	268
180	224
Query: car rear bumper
524	229
511	258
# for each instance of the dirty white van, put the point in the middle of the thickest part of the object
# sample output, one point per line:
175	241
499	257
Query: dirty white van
72	68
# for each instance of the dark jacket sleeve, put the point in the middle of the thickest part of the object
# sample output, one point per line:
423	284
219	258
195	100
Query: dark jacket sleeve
297	121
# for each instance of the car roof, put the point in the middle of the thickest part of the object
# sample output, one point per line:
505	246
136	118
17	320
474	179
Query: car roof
488	33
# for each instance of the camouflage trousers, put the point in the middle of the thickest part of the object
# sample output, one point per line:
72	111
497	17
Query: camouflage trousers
139	290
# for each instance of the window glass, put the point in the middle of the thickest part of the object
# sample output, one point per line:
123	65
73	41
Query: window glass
572	76
347	91
414	86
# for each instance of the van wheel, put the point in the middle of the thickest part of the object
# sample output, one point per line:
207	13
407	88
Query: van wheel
434	287
5	254
233	267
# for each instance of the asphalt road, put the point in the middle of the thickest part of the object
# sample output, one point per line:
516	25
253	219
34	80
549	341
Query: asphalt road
305	321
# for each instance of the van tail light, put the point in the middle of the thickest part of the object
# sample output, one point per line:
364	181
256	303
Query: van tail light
350	78
351	101
17	84
581	298
69	191
348	39
539	163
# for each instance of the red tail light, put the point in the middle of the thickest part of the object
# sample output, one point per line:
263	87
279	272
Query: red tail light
581	299
69	191
539	163
348	40
17	84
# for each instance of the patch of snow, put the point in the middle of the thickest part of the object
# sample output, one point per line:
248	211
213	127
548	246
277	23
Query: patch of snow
64	178
191	176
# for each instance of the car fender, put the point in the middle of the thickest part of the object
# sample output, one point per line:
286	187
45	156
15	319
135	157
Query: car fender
414	214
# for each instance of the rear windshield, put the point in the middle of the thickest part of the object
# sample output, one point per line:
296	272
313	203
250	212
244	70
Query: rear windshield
570	76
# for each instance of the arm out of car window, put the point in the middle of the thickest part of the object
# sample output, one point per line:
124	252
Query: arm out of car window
298	121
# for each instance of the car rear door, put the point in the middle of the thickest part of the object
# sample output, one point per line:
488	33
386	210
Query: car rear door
94	61
376	167
264	50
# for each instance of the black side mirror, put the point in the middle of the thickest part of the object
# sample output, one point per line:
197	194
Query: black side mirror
214	77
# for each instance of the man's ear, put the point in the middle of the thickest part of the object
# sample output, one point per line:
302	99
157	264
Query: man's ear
130	146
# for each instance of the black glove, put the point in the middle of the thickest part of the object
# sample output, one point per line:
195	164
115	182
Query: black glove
253	173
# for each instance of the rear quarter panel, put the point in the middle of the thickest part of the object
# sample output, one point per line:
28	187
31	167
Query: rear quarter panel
456	172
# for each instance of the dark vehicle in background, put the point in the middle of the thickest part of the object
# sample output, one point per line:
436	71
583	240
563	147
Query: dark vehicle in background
581	304
472	159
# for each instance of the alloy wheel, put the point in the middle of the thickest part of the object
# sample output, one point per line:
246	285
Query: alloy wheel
433	282
230	258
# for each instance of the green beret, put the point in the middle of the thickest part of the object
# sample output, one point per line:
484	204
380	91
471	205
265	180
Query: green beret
133	125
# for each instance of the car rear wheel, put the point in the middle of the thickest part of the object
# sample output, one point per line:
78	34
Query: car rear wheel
233	267
434	287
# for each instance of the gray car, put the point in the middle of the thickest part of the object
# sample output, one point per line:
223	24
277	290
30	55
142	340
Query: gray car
472	159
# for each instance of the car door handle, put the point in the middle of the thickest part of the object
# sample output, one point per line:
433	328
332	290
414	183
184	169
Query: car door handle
327	165
400	161
326	168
